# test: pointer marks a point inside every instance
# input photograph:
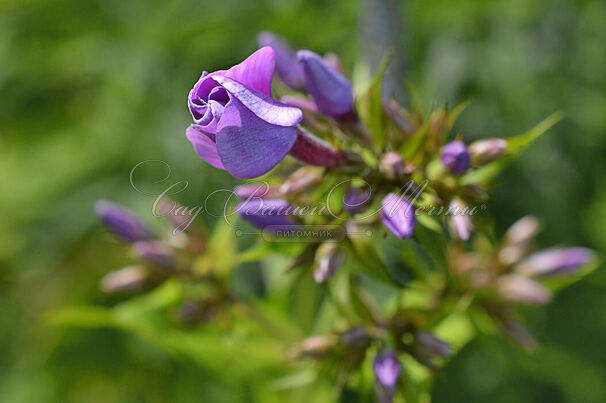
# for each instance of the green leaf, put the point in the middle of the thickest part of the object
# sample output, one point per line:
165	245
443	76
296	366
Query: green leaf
515	145
518	143
370	107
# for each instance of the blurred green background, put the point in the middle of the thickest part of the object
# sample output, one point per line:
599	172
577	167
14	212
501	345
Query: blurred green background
89	89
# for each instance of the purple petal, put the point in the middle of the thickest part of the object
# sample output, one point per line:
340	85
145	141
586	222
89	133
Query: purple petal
255	72
263	106
331	91
289	71
456	157
398	215
249	146
204	146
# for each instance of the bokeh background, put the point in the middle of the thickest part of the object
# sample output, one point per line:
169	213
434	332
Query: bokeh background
89	89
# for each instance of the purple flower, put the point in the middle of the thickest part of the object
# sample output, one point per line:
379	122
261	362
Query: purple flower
122	221
330	90
262	213
387	368
484	151
456	157
238	126
287	67
555	261
398	215
356	200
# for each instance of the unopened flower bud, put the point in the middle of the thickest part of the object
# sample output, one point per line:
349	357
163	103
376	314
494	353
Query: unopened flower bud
392	165
126	280
356	336
289	71
387	368
522	231
122	221
266	212
555	261
301	179
156	252
484	151
460	223
398	215
315	151
356	200
330	90
518	239
517	288
433	345
256	190
456	158
329	257
317	346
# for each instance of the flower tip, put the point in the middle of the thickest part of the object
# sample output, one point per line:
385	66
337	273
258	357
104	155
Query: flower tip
387	368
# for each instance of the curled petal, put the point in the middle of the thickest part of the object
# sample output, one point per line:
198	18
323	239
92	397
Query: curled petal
204	146
255	72
331	91
261	105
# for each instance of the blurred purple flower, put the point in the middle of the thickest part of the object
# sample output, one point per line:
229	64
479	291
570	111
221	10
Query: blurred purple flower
238	126
387	368
456	157
555	261
156	252
122	221
262	213
398	215
287	67
356	200
330	90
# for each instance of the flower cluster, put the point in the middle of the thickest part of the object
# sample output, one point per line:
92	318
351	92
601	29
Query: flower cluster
401	179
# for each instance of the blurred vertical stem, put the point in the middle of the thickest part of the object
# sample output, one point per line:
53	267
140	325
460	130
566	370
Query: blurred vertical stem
382	29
